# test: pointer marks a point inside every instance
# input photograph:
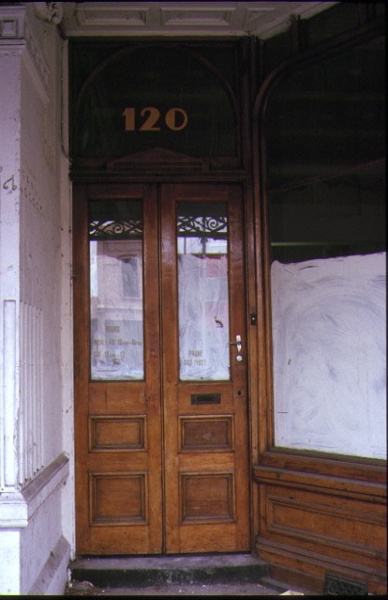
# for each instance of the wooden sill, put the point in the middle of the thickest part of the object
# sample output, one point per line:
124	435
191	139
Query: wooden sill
350	475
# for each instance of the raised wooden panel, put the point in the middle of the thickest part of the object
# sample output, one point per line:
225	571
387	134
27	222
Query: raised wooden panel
118	499
313	518
117	433
113	398
207	497
329	533
206	433
324	520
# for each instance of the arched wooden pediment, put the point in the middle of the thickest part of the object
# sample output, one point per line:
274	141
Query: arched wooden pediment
157	160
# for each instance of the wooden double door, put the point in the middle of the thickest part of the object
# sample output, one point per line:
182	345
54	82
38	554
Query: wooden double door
161	413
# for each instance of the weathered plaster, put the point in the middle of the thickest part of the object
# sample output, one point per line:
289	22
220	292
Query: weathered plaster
30	533
33	469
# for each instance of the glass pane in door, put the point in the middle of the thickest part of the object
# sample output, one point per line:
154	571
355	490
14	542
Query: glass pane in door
116	290
203	296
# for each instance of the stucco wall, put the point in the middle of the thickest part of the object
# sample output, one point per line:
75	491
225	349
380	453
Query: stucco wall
40	231
35	495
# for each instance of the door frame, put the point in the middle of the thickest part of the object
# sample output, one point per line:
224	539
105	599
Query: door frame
252	319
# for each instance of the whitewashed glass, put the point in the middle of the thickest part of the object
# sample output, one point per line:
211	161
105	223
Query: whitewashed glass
203	294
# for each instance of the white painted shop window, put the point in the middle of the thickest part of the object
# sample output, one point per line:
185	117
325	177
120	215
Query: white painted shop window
326	198
329	343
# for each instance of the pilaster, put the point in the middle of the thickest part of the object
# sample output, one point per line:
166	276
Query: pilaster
12	46
34	470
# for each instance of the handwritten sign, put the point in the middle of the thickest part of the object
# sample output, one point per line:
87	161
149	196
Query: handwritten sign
117	349
195	358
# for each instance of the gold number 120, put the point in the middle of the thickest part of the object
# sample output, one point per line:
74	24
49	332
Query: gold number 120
176	119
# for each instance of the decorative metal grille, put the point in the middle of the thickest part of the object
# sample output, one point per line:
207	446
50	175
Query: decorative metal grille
106	230
338	585
216	226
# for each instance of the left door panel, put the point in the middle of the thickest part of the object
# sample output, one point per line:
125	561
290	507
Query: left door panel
117	370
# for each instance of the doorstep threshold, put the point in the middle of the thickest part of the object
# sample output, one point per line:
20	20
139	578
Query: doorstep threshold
115	571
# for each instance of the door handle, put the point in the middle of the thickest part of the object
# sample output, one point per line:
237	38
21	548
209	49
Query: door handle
238	345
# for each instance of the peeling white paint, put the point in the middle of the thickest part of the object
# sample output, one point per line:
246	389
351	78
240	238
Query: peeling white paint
329	336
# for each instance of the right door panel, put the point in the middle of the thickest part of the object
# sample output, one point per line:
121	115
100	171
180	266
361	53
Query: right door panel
204	369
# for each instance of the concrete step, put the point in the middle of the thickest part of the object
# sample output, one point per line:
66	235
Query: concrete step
145	571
